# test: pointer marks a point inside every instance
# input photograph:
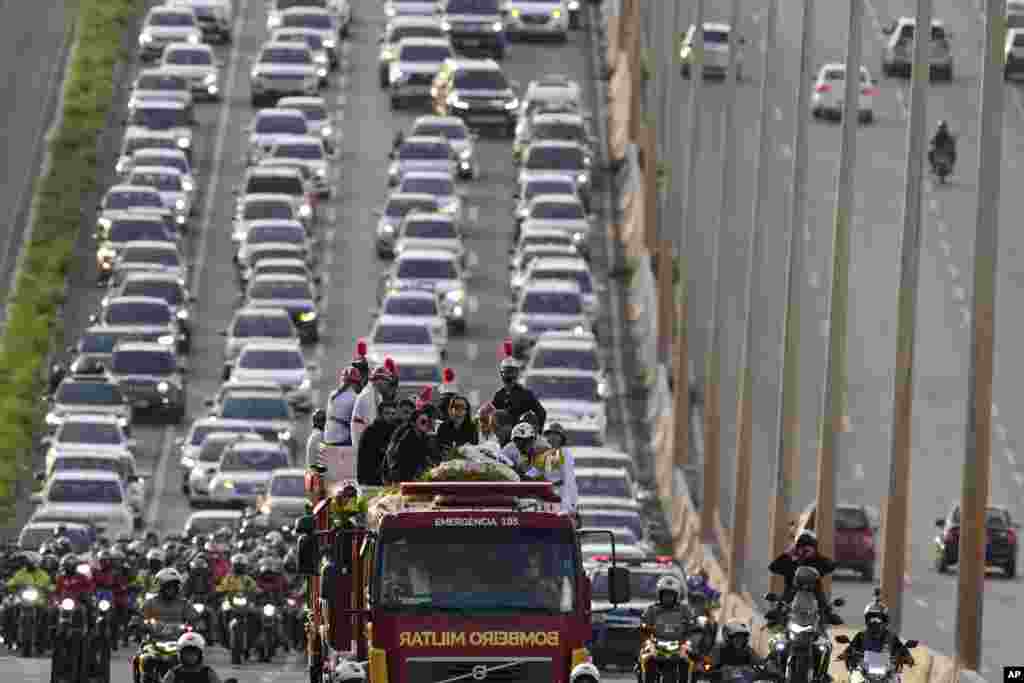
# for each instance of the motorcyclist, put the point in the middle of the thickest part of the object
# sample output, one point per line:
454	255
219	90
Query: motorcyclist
168	606
513	396
804	553
236	583
943	141
273	588
875	637
75	582
145	580
29	575
667	619
191	648
735	650
110	576
521	451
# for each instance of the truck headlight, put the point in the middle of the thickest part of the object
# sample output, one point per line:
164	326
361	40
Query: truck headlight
184	143
163	387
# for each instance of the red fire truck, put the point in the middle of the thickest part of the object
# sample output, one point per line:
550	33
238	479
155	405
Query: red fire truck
446	581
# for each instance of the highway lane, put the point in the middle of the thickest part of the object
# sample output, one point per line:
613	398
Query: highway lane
33	46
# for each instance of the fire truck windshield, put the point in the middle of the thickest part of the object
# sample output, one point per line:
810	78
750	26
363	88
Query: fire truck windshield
512	569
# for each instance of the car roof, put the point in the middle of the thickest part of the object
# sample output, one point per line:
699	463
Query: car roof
268	197
412	294
564	144
273	170
292	140
215	514
556	197
128	187
559	263
301	99
272	345
262	312
91	417
609	472
143	346
388	319
431	216
168	170
411	196
151	244
161	151
170	9
433	119
306	9
288	472
162	104
413	20
282	111
182	45
440	175
134	299
420	40
489	64
559	117
566	341
600	452
279	277
426	140
431	254
557	286
80	475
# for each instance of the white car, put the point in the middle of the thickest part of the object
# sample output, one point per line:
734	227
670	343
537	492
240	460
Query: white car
545	307
175	188
575	394
325	59
206	522
174	158
459	136
317	18
280	362
1014	53
716	51
435	270
318	116
439	185
430	231
255	325
207	462
94	433
244	472
123	465
286	498
158	84
255	208
554	183
164	25
196	63
391	336
422	153
283	69
390	217
601	482
566	350
309	151
417	306
418	370
537	18
98	498
551	90
415	64
271	125
830	87
216	17
563	212
566	270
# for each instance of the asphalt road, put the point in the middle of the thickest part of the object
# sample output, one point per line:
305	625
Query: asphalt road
33	50
943	336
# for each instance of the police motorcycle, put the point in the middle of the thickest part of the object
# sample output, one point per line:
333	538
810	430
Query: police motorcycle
802	649
158	652
674	651
267	641
236	615
877	666
31	626
70	659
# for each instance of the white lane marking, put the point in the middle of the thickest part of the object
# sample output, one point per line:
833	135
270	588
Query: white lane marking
473	260
1000	431
858	471
933	205
965	317
160	476
941	225
474	214
1010	456
332	216
946	247
472	351
778	113
923	604
813	279
1019	478
943	626
995	409
823	328
959	295
786	151
954	272
474	304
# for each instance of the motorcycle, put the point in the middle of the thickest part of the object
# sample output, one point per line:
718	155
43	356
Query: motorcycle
136	624
31	609
267	640
803	649
158	652
203	618
672	657
294	625
743	674
68	663
235	614
876	666
942	165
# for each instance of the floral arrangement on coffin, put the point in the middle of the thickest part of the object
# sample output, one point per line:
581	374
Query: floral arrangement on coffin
470	463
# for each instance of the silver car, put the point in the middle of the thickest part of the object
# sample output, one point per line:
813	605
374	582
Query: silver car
898	56
317	18
151	378
207	461
94	394
283	69
262	233
171	289
325	59
117	232
215	17
198	64
431	231
271	124
537	18
141	138
397	29
545	307
420	306
166	115
175	189
286	499
458	135
422	153
437	184
566	270
144	318
393	212
148	256
435	270
244	472
255	324
188	446
311	152
147	156
561	212
391	336
716	50
559	156
131	200
280	362
551	183
416	62
268	413
318	117
262	207
158	84
164	25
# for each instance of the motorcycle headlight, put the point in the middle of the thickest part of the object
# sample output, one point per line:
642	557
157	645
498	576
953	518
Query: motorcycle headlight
30	595
104	605
163	387
105	223
780	646
578	237
179	204
308	316
145	39
226	605
291	602
239	601
326	131
321	73
199	607
702	621
209	79
284	435
269	610
67	604
306	211
184	143
512	104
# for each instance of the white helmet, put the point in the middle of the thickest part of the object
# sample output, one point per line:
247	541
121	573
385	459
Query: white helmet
168	574
671	584
524	430
192	639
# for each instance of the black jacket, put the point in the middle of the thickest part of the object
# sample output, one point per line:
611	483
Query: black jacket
373	446
679	617
785	566
448	435
519	401
725	655
409	455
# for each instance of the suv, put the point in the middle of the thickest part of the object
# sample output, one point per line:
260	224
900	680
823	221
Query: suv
854	537
477	92
397	30
1000	546
150	377
476	26
898	55
283	69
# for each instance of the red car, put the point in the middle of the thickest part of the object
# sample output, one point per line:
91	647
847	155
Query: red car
854	537
1001	537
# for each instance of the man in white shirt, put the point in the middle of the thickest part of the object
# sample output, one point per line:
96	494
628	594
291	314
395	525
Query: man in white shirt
383	386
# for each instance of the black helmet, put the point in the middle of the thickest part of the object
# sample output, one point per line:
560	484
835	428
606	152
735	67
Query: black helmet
556	428
806	577
63	546
943	126
69	565
876	614
240	564
807	538
320	419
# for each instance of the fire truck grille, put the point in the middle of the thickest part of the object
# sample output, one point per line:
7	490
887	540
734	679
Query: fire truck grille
473	669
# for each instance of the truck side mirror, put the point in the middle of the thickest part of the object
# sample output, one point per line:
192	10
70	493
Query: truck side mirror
618	585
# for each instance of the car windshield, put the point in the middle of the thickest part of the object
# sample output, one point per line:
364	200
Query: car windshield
501	568
424	151
412	306
189	58
143	363
168	290
85	491
428	185
274	184
536	187
200	432
276	326
164	182
275	124
255	408
552	303
579	276
558	211
568	359
417	335
161	82
130	230
84	462
273	250
554	158
473	7
93	393
281	290
288	487
558	131
264	268
212	449
271	359
938	32
598	520
137	143
416	32
420	374
851	519
609	487
480	79
285	55
430	230
267	208
320	21
426	269
253	459
96	342
451	131
642	585
424	53
172	19
584	437
104	433
300	150
177	162
137	313
132	199
397	208
164	257
277	233
159	117
716	37
563	388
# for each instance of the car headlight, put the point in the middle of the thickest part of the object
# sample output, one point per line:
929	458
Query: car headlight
179	205
284	435
497	27
274	20
556	13
321	173
30	595
305	385
227	485
182	314
187	185
457	103
579	331
515	13
326	131
512	104
165	339
193	38
163	387
308	316
330	43
188	462
520	328
184	143
305	210
321	72
386	229
446	26
123	421
465	154
104	605
67	604
456	296
320	58
145	39
582	178
255	74
53	419
780	645
450	207
574	5
199	607
269	610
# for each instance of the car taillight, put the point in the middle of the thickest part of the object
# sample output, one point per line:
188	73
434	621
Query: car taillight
870	92
1011	536
824	87
952	535
868	539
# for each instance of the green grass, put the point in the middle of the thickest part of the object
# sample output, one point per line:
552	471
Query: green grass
61	196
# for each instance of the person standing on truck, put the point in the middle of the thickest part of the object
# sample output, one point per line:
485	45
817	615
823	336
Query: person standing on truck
412	450
513	396
560	468
340	405
382	387
374	445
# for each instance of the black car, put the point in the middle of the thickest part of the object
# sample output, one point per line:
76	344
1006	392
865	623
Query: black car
477	92
150	377
476	27
1000	548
